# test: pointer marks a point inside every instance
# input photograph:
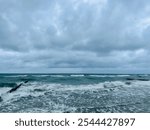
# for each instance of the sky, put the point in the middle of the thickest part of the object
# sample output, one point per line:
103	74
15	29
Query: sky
74	36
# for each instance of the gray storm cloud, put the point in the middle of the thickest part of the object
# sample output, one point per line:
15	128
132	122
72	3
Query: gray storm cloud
104	36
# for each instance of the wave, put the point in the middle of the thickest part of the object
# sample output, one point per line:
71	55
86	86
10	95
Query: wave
125	75
39	89
52	97
58	76
109	75
102	75
77	75
40	75
15	76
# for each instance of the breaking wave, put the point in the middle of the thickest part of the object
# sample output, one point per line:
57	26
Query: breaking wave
110	96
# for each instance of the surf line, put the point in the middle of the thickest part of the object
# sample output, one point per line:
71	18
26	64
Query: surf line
15	88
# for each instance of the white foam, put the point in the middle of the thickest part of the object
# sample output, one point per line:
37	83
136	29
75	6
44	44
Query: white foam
40	75
3	90
98	75
59	108
109	75
77	75
141	83
59	76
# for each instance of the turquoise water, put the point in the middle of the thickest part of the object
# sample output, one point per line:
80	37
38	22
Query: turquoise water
94	93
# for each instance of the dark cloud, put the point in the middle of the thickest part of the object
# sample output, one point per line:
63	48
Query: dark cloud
75	36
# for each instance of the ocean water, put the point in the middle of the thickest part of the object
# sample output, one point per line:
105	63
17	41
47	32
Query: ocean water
75	93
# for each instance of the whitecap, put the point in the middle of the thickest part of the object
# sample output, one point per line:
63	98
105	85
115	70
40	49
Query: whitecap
58	76
77	75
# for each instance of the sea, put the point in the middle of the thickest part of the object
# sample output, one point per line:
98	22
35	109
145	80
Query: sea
75	93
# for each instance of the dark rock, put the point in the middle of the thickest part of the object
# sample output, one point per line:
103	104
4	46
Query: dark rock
18	86
111	89
38	90
130	79
1	99
141	79
128	83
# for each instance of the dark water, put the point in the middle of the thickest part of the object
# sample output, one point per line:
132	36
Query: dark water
75	93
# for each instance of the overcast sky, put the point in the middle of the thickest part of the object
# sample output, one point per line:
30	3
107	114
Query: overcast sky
103	36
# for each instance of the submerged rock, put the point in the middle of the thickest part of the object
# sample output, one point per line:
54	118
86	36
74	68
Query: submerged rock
39	90
130	79
128	83
142	79
1	99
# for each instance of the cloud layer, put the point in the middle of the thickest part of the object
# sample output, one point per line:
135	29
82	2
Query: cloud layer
104	36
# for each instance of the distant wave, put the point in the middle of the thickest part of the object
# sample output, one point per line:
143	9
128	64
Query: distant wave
125	75
102	75
77	75
40	75
15	76
58	76
109	75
